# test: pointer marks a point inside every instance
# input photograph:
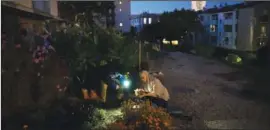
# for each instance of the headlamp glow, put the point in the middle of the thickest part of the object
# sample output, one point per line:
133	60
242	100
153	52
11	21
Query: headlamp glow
126	83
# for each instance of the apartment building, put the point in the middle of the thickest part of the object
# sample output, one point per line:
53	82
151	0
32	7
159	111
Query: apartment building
122	15
243	27
26	14
220	27
139	21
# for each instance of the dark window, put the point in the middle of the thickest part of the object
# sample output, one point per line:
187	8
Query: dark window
213	39
227	28
237	14
228	15
226	40
264	19
236	26
214	17
220	21
201	18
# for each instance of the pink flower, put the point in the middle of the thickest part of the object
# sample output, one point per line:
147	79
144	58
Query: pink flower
18	46
36	60
42	58
58	86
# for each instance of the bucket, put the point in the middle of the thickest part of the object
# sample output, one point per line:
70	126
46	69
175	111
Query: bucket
85	93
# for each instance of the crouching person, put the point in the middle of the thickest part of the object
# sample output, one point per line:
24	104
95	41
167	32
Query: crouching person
153	90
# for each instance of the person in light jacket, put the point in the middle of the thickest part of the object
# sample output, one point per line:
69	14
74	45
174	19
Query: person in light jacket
153	90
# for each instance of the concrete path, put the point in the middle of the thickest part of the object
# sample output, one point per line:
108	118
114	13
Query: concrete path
194	85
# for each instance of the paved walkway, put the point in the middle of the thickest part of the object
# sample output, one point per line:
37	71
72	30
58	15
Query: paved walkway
194	85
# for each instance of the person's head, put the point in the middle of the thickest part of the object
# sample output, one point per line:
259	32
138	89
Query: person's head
144	76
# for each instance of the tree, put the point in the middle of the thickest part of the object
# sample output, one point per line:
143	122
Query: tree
172	25
133	31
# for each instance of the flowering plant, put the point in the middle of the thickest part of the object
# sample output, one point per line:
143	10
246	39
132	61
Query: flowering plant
143	116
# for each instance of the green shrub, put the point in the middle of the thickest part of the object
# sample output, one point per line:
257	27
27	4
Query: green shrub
204	50
233	59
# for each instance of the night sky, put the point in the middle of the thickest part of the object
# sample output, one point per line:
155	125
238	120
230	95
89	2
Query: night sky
138	7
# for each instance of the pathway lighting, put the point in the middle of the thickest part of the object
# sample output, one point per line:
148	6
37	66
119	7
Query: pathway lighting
174	42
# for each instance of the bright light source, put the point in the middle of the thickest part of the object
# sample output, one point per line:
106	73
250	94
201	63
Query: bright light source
144	20
77	24
121	24
164	41
175	42
120	10
120	2
150	20
126	83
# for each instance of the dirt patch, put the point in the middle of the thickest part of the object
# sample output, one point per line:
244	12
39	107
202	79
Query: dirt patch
246	94
184	89
232	76
210	63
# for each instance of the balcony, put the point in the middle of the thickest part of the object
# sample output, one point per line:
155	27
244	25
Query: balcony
228	21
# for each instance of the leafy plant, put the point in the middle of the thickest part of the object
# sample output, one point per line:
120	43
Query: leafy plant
101	118
85	47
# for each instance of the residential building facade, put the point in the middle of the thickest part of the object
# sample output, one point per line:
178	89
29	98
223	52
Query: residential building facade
139	21
26	14
243	27
122	15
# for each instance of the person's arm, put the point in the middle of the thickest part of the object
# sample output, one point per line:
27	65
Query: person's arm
156	88
152	93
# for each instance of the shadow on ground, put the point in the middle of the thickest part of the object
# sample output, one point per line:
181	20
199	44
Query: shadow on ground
256	88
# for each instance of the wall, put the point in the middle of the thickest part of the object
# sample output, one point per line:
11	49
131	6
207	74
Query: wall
27	3
221	31
245	29
54	8
259	11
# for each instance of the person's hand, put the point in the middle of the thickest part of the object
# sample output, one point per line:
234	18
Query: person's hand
138	91
141	96
117	87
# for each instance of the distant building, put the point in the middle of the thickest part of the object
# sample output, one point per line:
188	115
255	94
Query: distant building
243	27
198	5
139	21
122	15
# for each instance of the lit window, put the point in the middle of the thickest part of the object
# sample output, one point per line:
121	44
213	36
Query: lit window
164	41
174	42
120	2
120	10
144	20
121	24
212	28
263	31
150	20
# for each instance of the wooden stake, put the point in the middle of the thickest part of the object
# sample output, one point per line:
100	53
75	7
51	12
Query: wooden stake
140	55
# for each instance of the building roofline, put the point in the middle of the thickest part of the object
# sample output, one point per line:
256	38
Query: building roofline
231	7
23	8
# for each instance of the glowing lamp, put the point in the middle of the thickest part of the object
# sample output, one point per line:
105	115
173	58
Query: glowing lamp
126	83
